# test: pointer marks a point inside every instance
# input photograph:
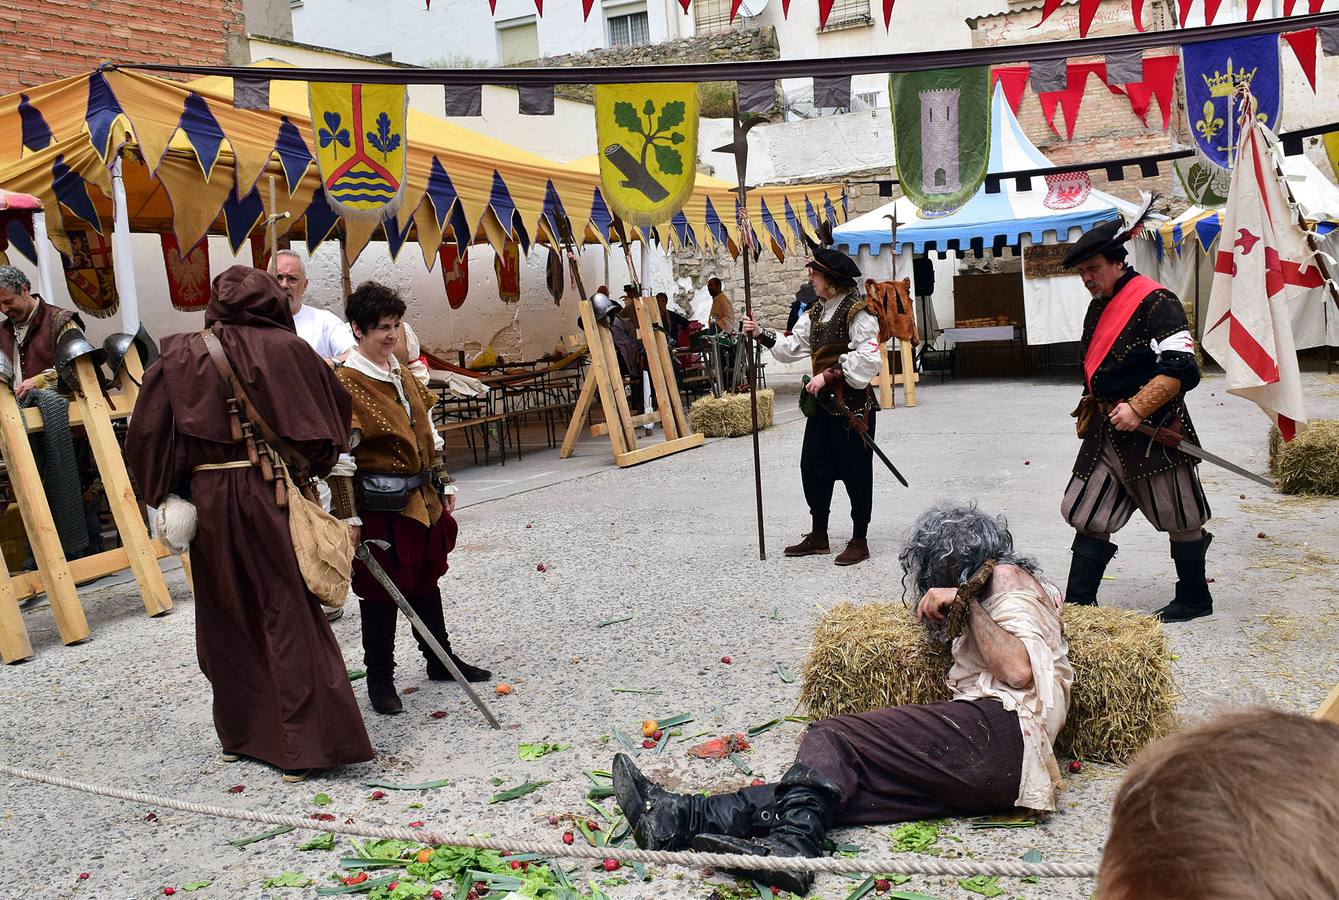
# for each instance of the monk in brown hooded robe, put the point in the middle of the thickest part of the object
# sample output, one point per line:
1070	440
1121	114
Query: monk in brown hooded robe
281	689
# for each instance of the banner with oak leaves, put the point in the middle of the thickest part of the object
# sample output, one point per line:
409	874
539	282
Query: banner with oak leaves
647	139
361	146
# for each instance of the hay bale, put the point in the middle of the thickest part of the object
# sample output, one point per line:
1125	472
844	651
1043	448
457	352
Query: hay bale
868	656
731	415
1309	463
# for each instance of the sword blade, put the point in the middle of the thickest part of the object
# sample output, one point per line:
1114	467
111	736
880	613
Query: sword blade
869	442
363	554
1200	453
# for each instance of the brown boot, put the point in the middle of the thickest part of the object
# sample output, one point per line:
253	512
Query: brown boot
856	551
815	543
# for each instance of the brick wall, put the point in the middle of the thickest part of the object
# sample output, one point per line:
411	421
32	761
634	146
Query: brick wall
43	40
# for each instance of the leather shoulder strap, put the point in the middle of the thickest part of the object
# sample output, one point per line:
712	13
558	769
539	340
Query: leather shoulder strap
233	384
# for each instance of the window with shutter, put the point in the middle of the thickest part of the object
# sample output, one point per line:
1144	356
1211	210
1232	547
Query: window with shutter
848	14
629	29
518	43
711	16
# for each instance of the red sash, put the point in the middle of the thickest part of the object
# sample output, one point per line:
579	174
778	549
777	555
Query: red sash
1113	321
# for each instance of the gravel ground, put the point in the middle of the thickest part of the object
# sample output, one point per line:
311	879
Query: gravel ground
673	545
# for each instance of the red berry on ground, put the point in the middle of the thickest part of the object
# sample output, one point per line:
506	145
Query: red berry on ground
438	714
757	782
393	885
169	891
415	824
437	895
553	820
648	744
83	876
568	837
882	885
592	825
236	789
611	865
1075	766
515	864
151	817
1260	535
541	568
658	734
776	891
726	660
377	795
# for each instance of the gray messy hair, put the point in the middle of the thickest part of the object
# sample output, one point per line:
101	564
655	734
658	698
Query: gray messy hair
950	541
12	277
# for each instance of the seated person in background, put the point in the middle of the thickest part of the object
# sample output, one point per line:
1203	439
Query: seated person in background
723	314
676	324
1243	807
1010	681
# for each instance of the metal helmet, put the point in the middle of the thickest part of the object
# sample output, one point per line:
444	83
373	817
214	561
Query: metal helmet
605	307
72	345
117	345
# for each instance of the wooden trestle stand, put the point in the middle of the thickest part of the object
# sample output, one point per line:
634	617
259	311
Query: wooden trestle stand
887	380
603	378
56	576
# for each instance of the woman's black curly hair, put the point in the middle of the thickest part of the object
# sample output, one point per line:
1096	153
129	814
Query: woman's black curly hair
372	302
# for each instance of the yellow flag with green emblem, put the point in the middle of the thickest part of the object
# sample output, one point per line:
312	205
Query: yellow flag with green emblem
647	137
361	146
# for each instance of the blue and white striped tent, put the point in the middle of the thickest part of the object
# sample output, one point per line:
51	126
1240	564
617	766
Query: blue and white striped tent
985	220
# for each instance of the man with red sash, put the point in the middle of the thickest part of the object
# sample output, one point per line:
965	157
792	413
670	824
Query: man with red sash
1138	364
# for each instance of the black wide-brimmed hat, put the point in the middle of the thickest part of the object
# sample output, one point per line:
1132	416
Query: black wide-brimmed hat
834	263
1099	240
1109	238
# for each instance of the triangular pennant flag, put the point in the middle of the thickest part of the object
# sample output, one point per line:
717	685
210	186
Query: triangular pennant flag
829	210
715	227
793	220
499	200
1288	7
601	217
1304	48
427	233
1183	10
683	232
195	203
1314	6
203	132
187	276
441	192
1137	14
20	238
240	216
36	133
734	9
824	10
554	214
1252	7
1160	82
1013	80
1088	9
294	156
395	235
779	246
1047	9
72	192
320	220
785	8
1211	10
887	14
103	109
587	4
809	213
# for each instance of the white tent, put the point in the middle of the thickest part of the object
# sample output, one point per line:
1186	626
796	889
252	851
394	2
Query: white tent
1047	214
1190	274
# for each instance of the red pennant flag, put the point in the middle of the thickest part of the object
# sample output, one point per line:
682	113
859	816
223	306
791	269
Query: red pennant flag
1137	13
539	7
1071	98
1304	48
1183	10
824	10
1087	9
684	4
887	14
1014	80
1288	7
187	276
734	8
785	7
1047	8
1211	10
1252	7
1160	82
1313	6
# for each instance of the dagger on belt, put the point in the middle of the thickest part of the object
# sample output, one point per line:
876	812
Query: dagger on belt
1173	438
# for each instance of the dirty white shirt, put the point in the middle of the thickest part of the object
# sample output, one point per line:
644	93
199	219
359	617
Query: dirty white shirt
860	365
1044	704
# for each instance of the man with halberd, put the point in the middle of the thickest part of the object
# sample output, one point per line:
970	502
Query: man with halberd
1138	364
840	338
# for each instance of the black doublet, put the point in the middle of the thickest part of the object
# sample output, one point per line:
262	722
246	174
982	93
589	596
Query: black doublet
1129	365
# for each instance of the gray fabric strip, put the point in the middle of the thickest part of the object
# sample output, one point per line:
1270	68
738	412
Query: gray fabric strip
536	99
464	99
832	92
1049	75
756	96
1125	68
251	93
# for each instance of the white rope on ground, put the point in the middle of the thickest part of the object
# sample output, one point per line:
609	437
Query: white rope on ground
905	864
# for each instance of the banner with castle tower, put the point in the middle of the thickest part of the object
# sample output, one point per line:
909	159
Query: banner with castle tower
941	135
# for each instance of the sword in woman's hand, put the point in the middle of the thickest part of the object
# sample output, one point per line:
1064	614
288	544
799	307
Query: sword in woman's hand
364	554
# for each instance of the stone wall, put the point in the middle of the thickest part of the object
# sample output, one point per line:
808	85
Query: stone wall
730	46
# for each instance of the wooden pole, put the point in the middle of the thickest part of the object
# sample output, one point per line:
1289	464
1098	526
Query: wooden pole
739	147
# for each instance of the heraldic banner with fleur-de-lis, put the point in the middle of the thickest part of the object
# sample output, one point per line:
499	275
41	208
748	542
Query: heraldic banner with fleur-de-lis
361	145
647	138
1213	69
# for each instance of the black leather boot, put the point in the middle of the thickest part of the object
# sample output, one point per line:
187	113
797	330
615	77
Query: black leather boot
662	820
378	623
429	609
806	802
1090	559
815	543
1192	598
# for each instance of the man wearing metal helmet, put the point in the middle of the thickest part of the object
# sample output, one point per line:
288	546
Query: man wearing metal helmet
841	340
1138	364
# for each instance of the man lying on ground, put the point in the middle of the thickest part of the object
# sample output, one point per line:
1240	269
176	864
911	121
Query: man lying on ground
988	750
